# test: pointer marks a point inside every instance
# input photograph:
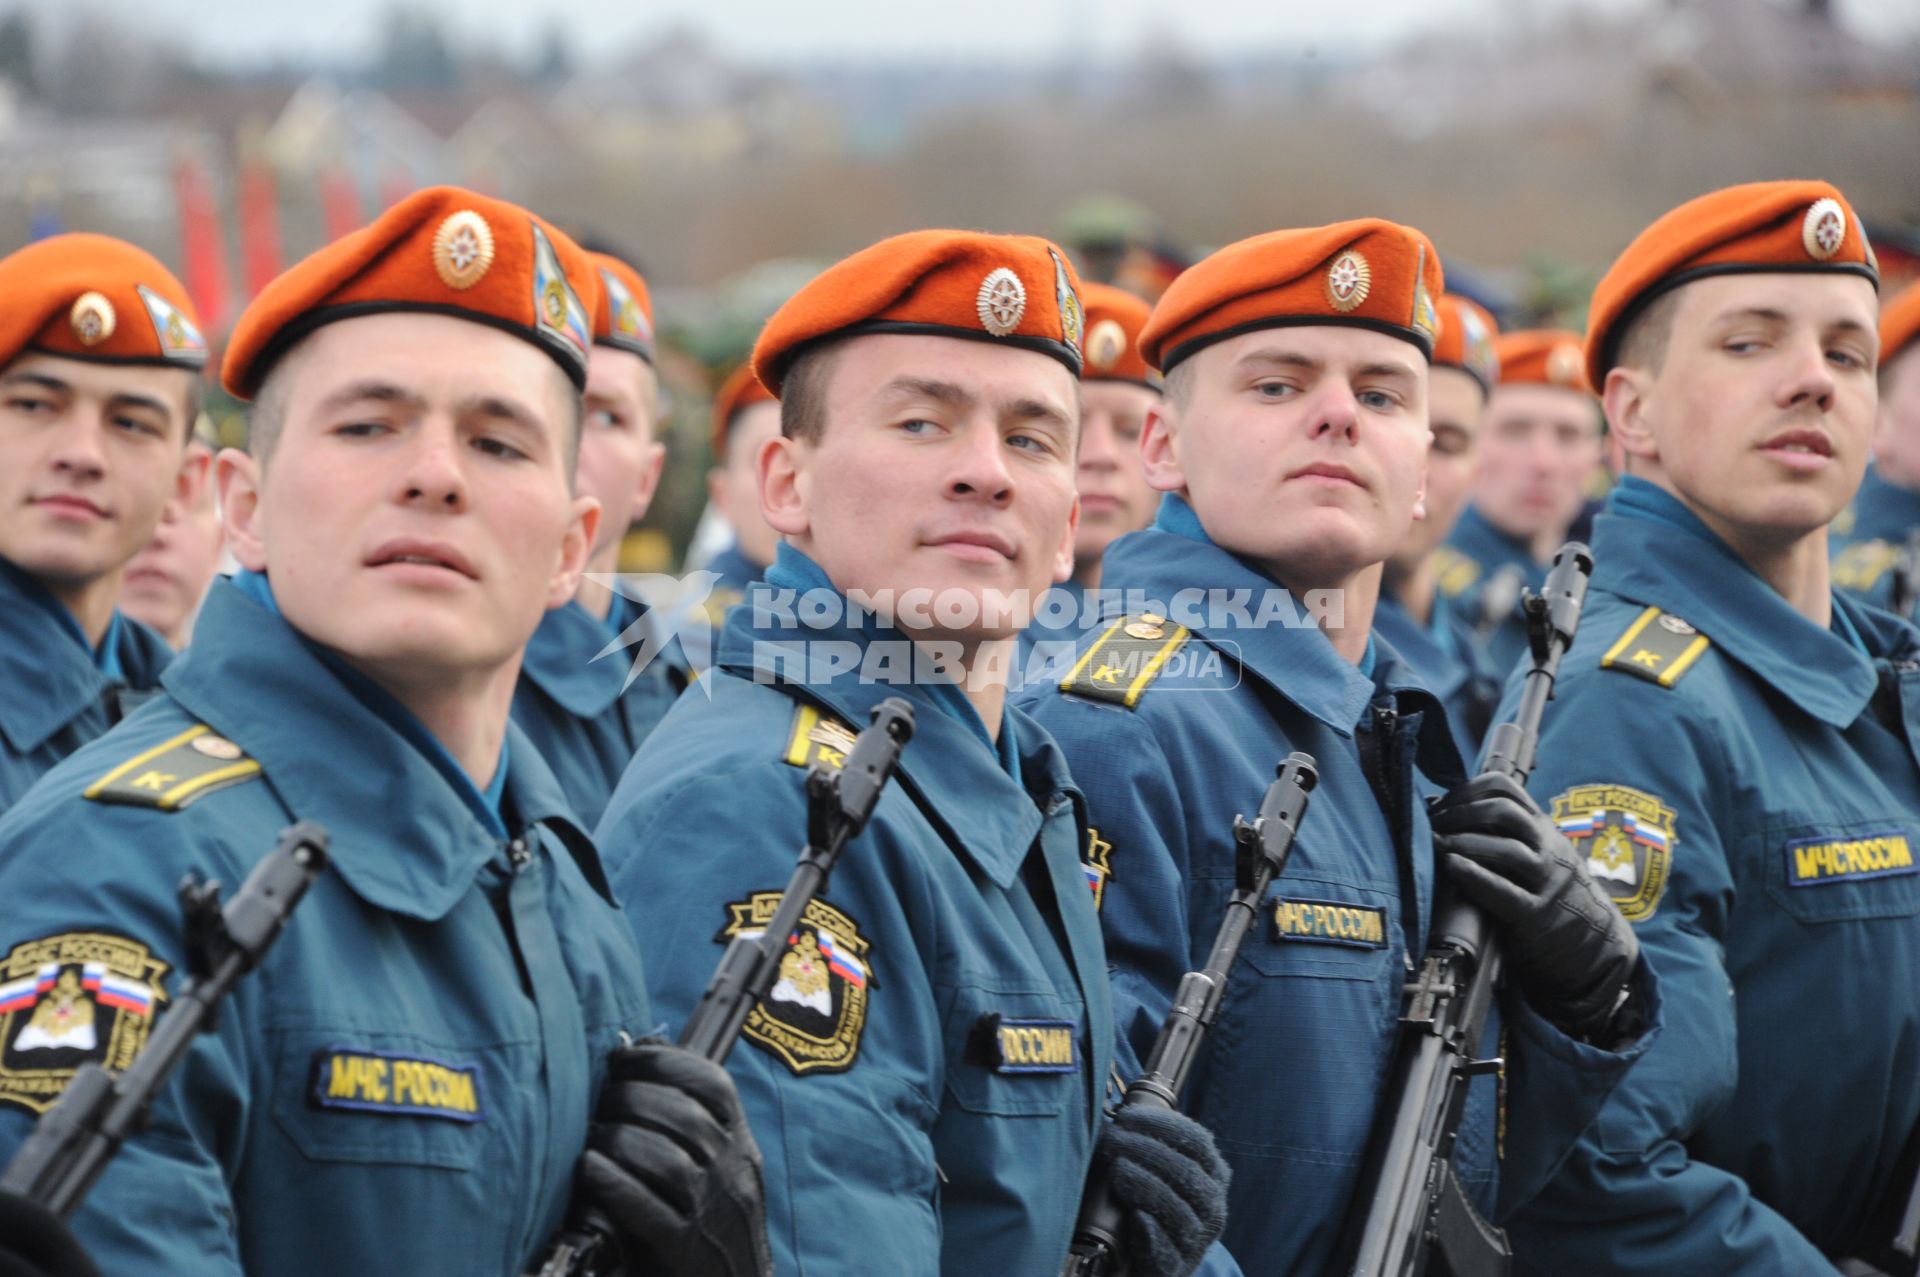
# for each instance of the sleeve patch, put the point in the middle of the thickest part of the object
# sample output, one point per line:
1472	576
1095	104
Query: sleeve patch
1128	655
1098	866
177	772
817	739
1454	571
1658	647
1627	836
814	1016
81	997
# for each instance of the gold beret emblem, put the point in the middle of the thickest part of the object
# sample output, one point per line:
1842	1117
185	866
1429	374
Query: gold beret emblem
1001	302
1823	229
1348	281
1563	364
462	249
1106	343
92	318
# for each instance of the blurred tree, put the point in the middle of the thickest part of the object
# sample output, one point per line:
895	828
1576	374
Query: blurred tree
16	53
413	52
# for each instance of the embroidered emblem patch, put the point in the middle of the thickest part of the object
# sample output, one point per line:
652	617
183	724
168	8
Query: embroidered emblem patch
92	318
1072	319
1106	343
1862	564
178	337
177	772
1330	922
630	328
1477	347
813	1018
1823	229
1880	853
1627	836
1001	302
1018	1047
1425	318
1563	364
462	249
1455	571
1098	866
555	304
817	740
399	1085
72	999
1349	280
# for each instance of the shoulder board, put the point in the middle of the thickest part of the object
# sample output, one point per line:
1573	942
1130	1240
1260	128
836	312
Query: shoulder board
1658	647
1861	565
818	739
1453	571
1128	655
177	772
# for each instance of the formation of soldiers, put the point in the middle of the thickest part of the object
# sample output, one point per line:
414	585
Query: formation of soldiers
1120	560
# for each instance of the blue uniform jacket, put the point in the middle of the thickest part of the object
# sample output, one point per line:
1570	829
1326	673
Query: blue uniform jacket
1876	527
55	696
578	708
926	1080
403	1086
1290	1081
1478	555
1756	816
1446	657
736	572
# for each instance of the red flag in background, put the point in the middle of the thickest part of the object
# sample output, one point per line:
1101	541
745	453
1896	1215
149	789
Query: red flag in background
202	248
340	202
259	224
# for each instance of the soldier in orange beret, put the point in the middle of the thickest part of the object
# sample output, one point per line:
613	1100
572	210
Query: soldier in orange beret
1117	390
1418	613
1875	553
1291	449
926	1078
1541	447
100	359
745	417
587	713
1731	745
424	1052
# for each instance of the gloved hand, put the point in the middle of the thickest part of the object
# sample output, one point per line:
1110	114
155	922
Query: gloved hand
1569	950
672	1167
1163	1168
33	1243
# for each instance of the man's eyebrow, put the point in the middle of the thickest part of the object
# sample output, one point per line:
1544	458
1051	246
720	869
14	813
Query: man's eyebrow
1767	313
1024	409
38	379
1386	368
1278	355
503	407
377	391
946	392
148	402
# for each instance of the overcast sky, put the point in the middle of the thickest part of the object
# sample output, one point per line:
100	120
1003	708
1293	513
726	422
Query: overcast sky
233	32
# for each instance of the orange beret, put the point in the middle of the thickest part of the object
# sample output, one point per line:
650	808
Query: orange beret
1544	357
1900	322
1466	339
739	392
99	298
1369	273
1114	320
1752	229
441	251
624	317
1015	289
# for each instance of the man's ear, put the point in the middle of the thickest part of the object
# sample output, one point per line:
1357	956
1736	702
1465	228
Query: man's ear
196	471
784	467
1160	449
237	479
575	548
649	479
1063	558
1625	399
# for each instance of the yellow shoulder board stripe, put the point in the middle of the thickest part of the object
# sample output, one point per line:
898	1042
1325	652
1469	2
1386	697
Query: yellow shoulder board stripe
1454	571
1861	565
176	773
1128	655
818	740
1658	647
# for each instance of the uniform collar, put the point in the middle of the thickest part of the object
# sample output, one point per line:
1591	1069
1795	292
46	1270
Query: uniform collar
563	660
404	838
735	570
963	783
1491	548
1697	577
48	675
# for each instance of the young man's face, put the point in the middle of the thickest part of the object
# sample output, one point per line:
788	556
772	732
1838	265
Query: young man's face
734	485
1761	414
416	512
619	458
945	465
1302	447
1896	441
1456	404
167	579
1540	448
89	455
1115	498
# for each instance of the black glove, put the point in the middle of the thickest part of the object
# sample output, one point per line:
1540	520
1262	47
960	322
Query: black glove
1163	1168
672	1167
33	1243
1571	952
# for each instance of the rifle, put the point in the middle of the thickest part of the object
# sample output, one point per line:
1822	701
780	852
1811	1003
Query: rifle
838	805
1261	848
1415	1203
73	1142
